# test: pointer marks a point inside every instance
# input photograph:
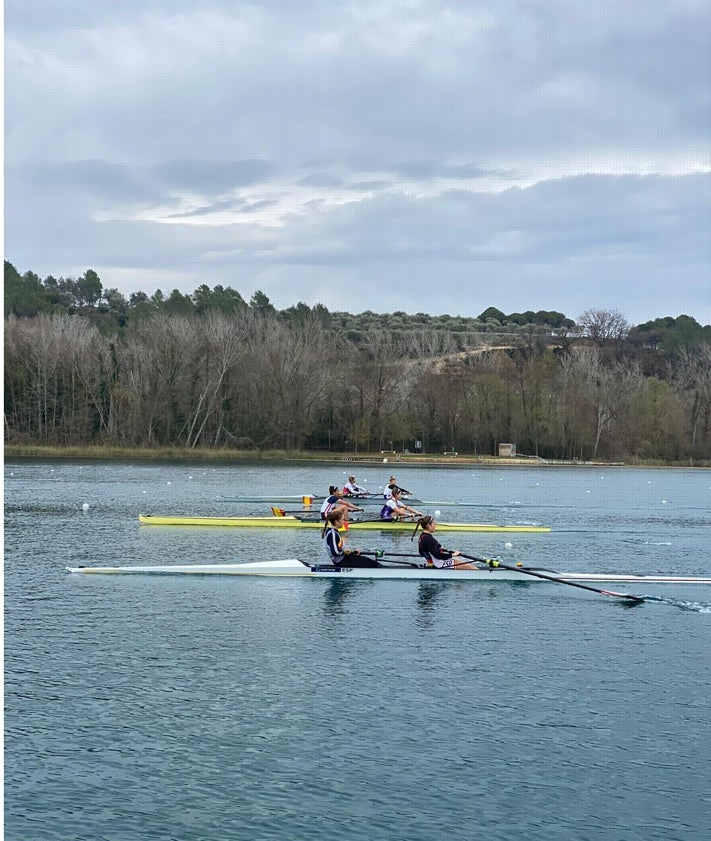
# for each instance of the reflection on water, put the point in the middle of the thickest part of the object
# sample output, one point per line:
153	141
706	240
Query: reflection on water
428	594
337	592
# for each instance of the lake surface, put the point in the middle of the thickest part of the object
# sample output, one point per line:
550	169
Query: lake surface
215	708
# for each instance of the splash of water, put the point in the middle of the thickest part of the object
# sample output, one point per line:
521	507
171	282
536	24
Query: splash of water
681	604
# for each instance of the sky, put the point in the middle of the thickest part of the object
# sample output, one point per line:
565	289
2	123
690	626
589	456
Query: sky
438	156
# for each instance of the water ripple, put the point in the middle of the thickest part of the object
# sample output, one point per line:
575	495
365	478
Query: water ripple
224	710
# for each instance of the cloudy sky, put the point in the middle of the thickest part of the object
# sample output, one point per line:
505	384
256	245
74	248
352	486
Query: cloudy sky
417	155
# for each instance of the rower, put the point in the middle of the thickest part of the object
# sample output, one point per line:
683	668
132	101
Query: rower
352	489
395	508
392	485
335	502
388	492
333	542
431	549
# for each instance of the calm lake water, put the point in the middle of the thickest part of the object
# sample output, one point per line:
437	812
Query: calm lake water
213	709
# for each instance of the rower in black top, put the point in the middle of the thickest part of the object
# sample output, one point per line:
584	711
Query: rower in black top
333	541
431	549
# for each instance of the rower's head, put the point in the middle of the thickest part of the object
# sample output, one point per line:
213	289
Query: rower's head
332	489
351	478
392	480
335	519
426	523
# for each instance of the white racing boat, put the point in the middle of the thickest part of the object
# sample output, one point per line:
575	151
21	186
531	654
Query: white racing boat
294	568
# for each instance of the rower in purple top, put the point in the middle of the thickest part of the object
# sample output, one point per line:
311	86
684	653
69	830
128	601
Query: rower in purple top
396	509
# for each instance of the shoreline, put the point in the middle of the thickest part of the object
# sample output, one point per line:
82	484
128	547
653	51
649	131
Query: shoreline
368	459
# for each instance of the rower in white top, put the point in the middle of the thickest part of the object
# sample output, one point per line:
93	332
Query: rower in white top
353	489
393	486
336	501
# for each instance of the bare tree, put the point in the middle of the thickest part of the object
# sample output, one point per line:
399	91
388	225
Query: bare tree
693	379
607	389
221	344
603	325
375	386
285	377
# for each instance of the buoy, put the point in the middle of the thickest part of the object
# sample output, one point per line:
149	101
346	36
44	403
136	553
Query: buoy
85	506
508	545
437	513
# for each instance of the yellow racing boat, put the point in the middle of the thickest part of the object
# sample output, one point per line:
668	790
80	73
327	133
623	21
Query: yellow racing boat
300	523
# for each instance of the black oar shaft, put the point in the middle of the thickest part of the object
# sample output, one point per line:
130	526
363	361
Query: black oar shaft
379	556
553	578
284	511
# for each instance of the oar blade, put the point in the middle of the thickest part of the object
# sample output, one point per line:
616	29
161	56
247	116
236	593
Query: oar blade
629	596
496	563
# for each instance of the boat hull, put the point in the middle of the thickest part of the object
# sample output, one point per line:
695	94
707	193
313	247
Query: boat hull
294	522
317	500
356	500
294	568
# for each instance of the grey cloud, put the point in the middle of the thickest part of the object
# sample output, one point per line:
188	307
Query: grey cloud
369	186
101	180
107	185
256	206
427	169
322	179
139	103
234	205
209	177
470	84
215	207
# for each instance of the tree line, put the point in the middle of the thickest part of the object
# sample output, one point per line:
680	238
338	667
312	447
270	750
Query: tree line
246	376
28	295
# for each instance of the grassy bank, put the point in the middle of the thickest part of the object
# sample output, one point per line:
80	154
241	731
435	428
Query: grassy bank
158	453
173	453
409	459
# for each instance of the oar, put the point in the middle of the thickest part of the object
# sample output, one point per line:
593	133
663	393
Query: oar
379	555
280	512
356	521
492	563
